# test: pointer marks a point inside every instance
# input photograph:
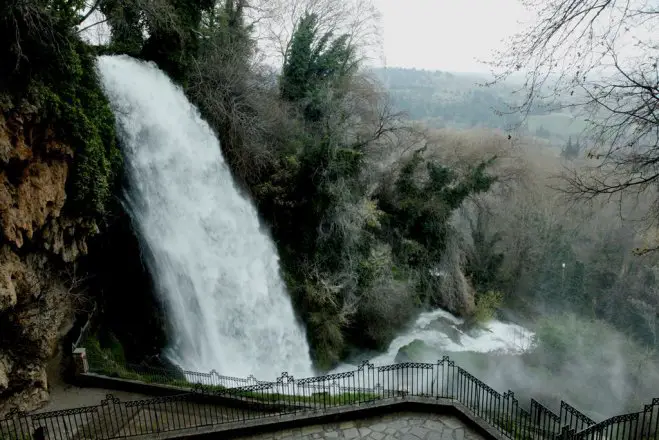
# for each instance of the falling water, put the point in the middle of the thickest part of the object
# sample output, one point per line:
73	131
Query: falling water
214	268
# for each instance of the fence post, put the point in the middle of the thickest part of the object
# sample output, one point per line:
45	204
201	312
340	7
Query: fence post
80	361
566	433
39	433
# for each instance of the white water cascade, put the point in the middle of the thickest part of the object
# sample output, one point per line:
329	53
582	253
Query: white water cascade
214	268
439	333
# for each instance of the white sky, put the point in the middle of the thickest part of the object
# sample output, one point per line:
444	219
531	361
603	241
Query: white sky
449	35
446	34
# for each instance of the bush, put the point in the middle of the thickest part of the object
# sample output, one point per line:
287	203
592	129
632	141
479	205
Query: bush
54	76
486	306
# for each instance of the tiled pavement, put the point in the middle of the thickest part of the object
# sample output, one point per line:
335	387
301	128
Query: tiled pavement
396	426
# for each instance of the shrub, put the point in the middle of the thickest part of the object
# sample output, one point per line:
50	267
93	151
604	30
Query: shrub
486	306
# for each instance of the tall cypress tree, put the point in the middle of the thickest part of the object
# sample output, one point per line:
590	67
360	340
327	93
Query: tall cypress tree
314	63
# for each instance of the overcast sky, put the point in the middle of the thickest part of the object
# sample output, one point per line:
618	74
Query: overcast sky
446	34
429	34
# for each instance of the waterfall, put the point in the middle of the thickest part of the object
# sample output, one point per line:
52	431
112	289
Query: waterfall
214	268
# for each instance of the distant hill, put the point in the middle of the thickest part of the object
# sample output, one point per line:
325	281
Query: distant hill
444	99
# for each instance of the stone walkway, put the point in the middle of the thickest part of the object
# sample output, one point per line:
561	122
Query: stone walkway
397	426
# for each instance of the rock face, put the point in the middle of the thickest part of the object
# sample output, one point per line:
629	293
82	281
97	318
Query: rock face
36	241
415	351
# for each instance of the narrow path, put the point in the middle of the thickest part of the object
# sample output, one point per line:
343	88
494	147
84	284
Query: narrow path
65	396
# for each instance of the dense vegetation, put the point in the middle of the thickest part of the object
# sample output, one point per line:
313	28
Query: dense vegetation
375	218
48	75
356	242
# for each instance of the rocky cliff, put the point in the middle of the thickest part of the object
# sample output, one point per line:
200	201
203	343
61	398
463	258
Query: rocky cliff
38	243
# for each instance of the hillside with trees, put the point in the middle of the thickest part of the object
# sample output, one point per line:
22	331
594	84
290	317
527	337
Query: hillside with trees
465	101
376	217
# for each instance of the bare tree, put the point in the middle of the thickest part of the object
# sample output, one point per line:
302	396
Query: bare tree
229	90
275	21
597	59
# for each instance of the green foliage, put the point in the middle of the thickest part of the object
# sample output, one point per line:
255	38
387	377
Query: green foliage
166	33
54	72
373	250
326	333
225	33
484	260
313	63
515	428
103	358
486	306
418	208
127	26
571	340
83	115
415	351
37	40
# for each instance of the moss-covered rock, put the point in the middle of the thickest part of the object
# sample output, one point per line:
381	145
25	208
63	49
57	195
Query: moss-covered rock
415	351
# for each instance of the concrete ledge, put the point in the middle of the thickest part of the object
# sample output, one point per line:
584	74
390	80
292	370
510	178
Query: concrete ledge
332	415
91	380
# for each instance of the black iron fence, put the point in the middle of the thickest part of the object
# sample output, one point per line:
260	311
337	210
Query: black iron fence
642	425
165	376
574	419
213	400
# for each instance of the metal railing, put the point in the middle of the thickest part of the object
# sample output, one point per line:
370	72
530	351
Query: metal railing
642	425
208	403
84	330
574	419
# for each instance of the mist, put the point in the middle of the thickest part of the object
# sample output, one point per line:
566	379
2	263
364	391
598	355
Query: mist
567	271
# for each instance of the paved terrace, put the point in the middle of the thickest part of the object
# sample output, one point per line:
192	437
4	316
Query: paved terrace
396	426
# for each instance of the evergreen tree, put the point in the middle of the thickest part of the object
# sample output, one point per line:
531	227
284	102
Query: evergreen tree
571	151
314	64
542	132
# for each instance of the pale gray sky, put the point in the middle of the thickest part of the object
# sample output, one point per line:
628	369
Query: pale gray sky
446	34
449	35
427	34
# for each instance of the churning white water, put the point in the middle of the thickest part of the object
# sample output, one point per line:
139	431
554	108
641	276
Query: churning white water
441	332
438	333
216	271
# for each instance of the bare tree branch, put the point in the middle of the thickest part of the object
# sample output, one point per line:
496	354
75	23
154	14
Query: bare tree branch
598	60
